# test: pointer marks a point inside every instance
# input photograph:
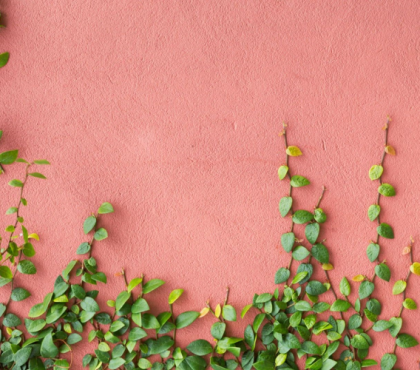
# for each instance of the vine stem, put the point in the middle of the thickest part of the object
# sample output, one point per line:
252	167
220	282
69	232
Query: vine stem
404	293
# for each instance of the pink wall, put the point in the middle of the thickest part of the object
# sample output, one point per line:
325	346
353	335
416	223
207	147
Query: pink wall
171	109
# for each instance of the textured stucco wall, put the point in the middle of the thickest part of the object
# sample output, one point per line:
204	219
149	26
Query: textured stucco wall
171	109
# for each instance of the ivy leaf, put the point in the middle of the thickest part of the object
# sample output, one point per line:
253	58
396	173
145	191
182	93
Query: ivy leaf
355	321
399	287
22	356
381	325
122	298
366	289
5	272
390	150
312	232
302	217
282	275
299	277
229	313
100	234
8	157
373	212
282	172
372	251
4	58
386	190
340	306
415	268
105	208
89	224
409	304
293	151
375	172
383	272
300	253
320	253
385	231
186	318
48	348
19	294
345	287
359	342
288	240
320	215
315	288
396	326
83	248
133	283
11	321
285	205
406	341
26	267
388	361
200	347
151	285
299	181
218	330
37	175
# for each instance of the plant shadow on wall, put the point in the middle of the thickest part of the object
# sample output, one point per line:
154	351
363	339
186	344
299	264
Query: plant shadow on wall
287	325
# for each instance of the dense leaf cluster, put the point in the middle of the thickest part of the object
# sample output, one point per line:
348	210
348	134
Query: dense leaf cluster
302	319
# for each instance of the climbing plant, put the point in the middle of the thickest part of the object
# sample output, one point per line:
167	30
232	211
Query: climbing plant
4	57
304	320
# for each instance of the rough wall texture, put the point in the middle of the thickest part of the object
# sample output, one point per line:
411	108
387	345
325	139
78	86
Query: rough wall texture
171	109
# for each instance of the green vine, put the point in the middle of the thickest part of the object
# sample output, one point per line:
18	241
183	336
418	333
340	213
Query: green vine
303	321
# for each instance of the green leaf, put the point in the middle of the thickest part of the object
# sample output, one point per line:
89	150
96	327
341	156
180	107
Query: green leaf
406	341
396	326
105	208
303	306
133	283
340	306
282	172
386	190
399	287
381	325
160	345
355	321
229	313
409	304
19	294
22	356
287	241
186	318
41	161
372	251
285	205
122	298
373	212
11	321
375	172
282	275
68	269
293	151
299	277
320	215
300	253
16	183
5	272
37	175
99	276
366	289
144	363
385	231
298	181
83	248
89	224
315	288
89	305
151	285
388	361
200	347
218	330
193	363
26	267
302	217
359	342
116	363
320	253
4	58
136	334
8	157
100	234
312	232
48	348
11	210
40	308
383	271
345	287
140	305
